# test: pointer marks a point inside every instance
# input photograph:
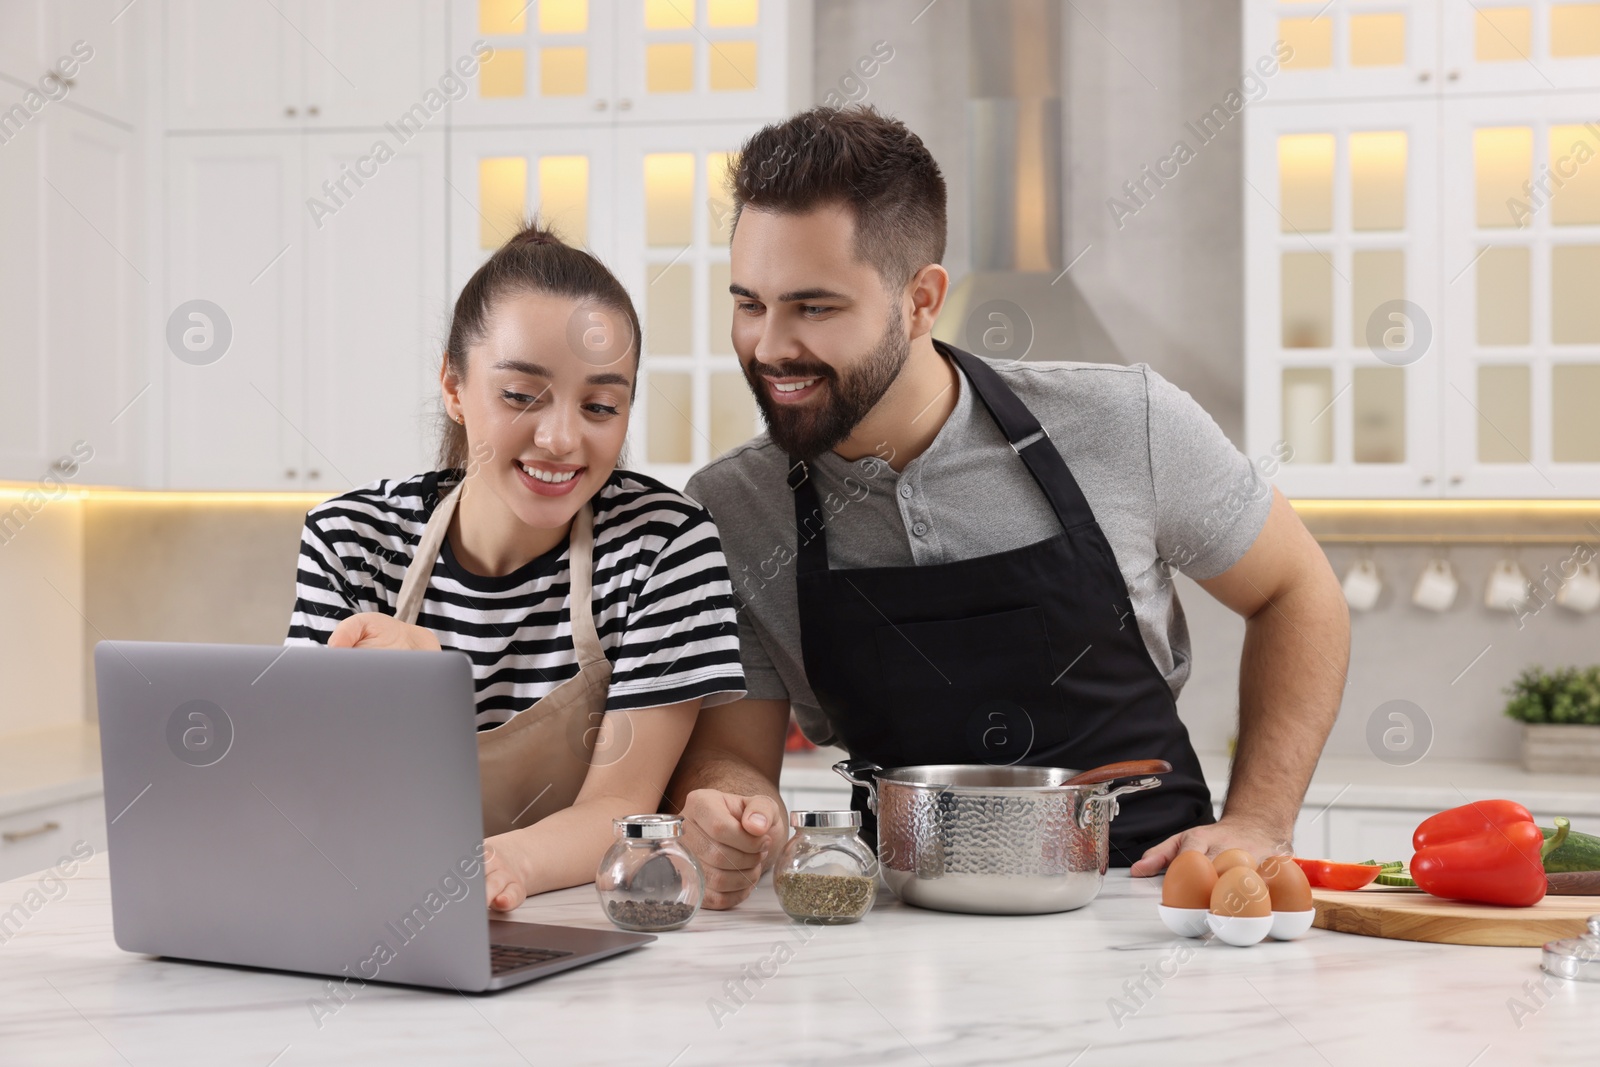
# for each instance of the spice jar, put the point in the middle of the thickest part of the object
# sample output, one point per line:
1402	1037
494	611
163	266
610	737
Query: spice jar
825	873
647	880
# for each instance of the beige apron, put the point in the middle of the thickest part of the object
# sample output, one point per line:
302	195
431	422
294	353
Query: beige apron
535	764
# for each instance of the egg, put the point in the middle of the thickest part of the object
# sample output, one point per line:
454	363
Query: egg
1233	857
1286	884
1241	892
1188	882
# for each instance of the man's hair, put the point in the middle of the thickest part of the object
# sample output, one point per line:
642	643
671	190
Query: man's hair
858	157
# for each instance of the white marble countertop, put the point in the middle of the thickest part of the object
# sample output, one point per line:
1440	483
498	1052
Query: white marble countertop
902	987
48	766
1345	782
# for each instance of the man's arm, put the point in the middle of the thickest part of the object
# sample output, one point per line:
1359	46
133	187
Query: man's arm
726	789
1291	679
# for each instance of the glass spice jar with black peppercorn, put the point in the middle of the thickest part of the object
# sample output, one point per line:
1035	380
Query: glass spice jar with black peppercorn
825	873
647	880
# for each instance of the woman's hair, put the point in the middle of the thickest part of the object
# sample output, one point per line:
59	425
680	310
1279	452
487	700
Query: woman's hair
535	260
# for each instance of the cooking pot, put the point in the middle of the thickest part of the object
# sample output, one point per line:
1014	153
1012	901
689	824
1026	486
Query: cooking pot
996	840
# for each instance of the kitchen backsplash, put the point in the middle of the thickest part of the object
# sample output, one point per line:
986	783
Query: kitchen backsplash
85	569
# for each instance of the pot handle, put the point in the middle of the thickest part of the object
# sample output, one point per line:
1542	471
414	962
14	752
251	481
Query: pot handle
862	772
1110	797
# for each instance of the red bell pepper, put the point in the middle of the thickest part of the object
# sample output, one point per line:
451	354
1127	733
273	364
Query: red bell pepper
1326	874
1488	852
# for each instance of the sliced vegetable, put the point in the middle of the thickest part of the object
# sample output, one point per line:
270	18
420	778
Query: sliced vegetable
1575	852
1489	852
1326	874
1395	876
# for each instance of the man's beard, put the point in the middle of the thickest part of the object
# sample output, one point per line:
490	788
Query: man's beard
808	431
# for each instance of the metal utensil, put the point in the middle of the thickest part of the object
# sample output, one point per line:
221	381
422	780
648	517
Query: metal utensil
996	840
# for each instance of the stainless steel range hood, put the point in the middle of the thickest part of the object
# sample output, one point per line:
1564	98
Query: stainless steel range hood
1018	300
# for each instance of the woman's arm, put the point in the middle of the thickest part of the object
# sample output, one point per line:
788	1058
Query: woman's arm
564	849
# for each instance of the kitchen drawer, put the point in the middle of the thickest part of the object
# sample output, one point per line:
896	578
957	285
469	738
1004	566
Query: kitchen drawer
41	837
1383	834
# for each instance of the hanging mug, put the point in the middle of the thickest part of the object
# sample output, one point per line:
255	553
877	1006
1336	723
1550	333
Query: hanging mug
1508	587
1436	586
1581	592
1362	585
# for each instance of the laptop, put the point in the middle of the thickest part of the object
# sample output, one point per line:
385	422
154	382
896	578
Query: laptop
309	809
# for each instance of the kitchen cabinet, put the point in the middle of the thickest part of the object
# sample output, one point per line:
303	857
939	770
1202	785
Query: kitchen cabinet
1356	834
328	304
76	265
1420	262
1424	48
40	837
299	64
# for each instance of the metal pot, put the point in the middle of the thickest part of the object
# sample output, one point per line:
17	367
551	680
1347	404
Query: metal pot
999	840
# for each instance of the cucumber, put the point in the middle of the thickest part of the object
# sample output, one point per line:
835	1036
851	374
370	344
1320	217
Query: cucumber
1389	865
1572	851
1395	876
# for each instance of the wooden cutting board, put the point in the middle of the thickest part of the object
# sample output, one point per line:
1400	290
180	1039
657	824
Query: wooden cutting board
1406	914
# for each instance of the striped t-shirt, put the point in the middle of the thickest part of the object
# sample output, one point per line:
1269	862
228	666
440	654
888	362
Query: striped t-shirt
662	601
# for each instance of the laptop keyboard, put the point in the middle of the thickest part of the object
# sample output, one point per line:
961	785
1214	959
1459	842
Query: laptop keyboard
503	958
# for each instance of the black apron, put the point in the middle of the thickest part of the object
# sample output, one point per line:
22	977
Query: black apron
1029	657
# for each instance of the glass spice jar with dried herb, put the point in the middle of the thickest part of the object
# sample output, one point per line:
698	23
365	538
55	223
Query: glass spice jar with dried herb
648	881
825	873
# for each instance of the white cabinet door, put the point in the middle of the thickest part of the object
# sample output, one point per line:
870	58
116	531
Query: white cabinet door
23	447
673	226
499	177
235	64
1534	45
33	840
74	275
376	311
549	63
1342	287
713	59
115	37
235	414
1520	197
1344	51
97	270
371	62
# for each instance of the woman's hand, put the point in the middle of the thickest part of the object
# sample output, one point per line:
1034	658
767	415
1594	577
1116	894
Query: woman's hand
504	859
374	629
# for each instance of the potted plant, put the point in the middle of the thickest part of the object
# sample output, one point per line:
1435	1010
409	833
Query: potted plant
1560	715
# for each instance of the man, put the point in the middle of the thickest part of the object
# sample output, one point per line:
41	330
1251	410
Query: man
948	559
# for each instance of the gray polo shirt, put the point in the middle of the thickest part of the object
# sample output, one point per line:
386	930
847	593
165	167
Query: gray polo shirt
1167	487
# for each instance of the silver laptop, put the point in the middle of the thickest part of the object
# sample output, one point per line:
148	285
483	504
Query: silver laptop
309	809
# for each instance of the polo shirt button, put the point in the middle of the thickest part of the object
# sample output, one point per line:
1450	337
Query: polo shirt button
905	491
920	528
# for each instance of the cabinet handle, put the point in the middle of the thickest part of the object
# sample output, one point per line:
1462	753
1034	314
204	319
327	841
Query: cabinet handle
1424	76
1454	75
290	112
624	105
1427	479
17	835
1455	479
599	105
290	473
313	474
313	110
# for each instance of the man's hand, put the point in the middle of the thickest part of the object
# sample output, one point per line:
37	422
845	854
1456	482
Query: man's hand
731	836
374	629
1258	840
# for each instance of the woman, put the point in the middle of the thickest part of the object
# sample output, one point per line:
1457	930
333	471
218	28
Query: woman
495	554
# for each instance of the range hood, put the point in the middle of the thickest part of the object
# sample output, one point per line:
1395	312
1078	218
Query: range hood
1019	300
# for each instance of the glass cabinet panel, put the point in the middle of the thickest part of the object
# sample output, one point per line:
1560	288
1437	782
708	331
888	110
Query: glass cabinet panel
1307	421
1307	317
1378	422
1505	413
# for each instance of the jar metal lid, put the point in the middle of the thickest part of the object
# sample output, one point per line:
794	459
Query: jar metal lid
1578	957
832	820
648	826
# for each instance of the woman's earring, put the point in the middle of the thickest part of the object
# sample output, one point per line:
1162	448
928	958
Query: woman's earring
461	419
